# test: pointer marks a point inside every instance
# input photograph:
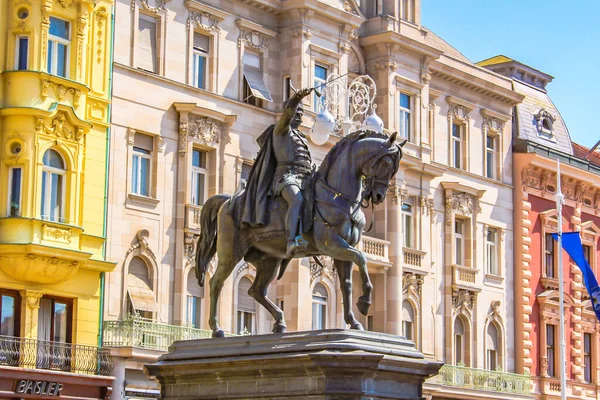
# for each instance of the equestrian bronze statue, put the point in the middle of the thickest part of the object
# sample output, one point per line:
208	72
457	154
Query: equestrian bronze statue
291	210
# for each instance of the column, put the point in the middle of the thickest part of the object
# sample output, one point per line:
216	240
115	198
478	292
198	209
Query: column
394	274
30	306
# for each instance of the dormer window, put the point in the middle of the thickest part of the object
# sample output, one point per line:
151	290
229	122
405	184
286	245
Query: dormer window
545	124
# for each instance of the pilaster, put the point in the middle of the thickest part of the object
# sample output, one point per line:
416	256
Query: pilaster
30	306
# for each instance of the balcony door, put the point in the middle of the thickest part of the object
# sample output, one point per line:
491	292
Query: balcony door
54	334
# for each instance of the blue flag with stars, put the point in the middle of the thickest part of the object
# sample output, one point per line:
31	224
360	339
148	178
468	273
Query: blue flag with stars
571	242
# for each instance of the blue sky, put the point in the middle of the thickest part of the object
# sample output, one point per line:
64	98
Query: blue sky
557	37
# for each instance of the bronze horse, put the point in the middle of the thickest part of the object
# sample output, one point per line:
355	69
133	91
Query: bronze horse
356	171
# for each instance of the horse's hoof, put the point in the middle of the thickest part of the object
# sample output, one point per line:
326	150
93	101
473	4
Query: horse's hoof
279	328
357	326
363	305
218	333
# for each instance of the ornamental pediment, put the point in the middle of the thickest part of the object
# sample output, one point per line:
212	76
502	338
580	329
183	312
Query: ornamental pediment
62	123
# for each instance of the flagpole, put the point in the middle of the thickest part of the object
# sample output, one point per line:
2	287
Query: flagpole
563	373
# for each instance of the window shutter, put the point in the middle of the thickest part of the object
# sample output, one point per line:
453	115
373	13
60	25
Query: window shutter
193	287
145	142
407	312
138	267
254	77
201	42
146	57
245	302
492	337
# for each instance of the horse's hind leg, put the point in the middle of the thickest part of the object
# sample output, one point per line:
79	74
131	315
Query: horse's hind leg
266	270
344	270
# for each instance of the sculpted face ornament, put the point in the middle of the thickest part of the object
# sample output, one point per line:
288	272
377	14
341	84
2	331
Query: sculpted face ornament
288	209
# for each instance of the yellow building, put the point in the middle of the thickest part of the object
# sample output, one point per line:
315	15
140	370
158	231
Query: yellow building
55	58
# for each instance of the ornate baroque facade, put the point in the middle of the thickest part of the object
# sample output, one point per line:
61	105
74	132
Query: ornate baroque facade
55	61
196	82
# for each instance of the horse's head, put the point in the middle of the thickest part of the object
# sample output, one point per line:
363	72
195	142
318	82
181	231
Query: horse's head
381	168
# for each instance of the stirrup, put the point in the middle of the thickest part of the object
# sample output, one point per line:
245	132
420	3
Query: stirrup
301	242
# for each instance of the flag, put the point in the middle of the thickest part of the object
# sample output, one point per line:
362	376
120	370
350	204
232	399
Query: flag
571	242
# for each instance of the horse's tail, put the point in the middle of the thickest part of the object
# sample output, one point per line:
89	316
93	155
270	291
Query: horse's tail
207	243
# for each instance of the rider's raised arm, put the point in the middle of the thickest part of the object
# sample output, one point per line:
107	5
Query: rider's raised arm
290	110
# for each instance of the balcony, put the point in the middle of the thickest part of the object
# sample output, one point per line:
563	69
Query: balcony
483	380
413	260
146	334
46	355
192	218
465	278
377	250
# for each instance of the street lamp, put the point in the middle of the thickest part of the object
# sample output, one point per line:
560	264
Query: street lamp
359	100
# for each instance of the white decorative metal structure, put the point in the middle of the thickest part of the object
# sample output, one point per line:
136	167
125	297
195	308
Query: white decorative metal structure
346	108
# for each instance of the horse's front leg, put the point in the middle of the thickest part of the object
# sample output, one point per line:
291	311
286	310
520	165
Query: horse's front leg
344	271
266	270
333	245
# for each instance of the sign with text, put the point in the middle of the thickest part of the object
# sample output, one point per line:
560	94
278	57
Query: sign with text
42	388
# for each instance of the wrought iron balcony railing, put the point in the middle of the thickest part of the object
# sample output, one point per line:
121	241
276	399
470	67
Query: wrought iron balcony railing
481	379
146	334
42	354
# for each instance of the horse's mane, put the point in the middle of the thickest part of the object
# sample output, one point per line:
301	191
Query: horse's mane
346	141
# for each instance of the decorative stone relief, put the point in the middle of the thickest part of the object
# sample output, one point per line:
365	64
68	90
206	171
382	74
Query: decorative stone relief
425	77
159	5
101	18
494	314
426	204
458	112
463	300
60	91
397	194
302	32
202	20
141	244
183	138
59	128
56	234
460	203
254	39
492	124
412	284
32	298
344	47
389	65
204	129
65	3
190	244
544	367
241	268
328	269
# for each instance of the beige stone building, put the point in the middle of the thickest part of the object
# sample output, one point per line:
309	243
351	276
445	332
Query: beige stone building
195	82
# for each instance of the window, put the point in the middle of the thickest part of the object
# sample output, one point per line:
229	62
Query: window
194	301
199	177
587	252
246	168
141	301
491	245
457	146
550	349
320	79
246	308
491	151
587	357
492	347
201	52
281	304
54	320
405	112
459	342
370	323
53	186
407	224
408	318
10	311
146	46
407	11
255	90
141	164
319	307
22	53
549	250
59	40
459	242
14	194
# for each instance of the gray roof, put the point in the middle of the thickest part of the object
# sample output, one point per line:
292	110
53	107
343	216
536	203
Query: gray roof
434	40
526	124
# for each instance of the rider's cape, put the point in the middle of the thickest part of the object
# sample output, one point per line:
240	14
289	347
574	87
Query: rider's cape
253	210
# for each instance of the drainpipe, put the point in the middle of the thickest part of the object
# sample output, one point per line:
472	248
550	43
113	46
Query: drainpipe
107	171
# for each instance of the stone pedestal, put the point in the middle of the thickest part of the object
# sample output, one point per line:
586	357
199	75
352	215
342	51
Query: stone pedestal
331	364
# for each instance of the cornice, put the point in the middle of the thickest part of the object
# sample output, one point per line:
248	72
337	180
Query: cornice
493	114
254	27
204	8
325	10
401	41
459	187
226	119
269	6
452	100
323	50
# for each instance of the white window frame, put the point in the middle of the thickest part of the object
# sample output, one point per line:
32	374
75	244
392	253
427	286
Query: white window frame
10	192
459	349
408	224
492	354
46	197
494	154
316	82
54	41
405	132
196	171
588	369
140	155
491	251
241	321
460	142
459	242
321	304
190	314
18	51
199	53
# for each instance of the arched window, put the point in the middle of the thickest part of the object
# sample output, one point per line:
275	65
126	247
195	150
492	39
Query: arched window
408	320
459	341
319	307
194	300
139	287
53	186
492	347
246	315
